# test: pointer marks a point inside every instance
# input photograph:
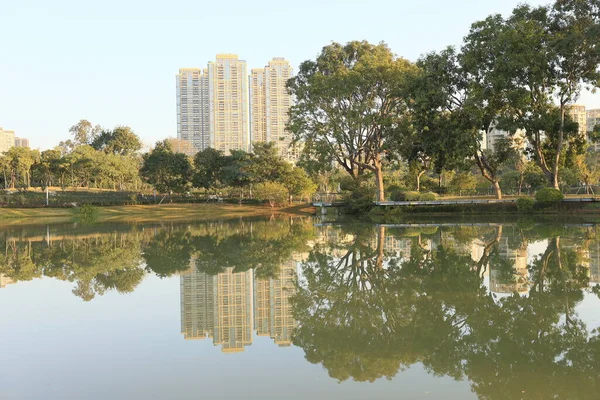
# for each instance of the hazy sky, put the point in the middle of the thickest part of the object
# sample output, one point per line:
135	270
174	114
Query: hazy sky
114	62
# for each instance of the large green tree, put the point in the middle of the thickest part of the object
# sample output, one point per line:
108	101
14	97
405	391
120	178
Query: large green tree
167	171
348	102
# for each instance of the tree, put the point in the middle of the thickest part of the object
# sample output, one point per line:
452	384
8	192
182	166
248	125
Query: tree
348	102
84	133
18	162
545	54
273	192
450	111
121	141
208	166
298	183
168	172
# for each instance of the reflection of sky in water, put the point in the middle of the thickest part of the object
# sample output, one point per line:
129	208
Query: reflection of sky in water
55	346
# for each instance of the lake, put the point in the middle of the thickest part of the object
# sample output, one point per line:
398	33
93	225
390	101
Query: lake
294	308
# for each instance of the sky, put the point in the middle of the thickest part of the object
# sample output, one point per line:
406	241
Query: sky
114	62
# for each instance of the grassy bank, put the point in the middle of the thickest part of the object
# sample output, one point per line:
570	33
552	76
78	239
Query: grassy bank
146	213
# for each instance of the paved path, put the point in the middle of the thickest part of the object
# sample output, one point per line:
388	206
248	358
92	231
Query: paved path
454	202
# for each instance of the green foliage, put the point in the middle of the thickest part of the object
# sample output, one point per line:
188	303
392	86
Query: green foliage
208	168
273	192
121	140
429	196
525	204
336	93
463	181
360	199
548	197
167	171
298	183
412	196
88	213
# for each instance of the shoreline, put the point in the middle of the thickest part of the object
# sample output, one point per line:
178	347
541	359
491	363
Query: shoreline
148	213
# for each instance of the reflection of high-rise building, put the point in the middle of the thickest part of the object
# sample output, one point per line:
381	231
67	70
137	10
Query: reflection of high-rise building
197	305
5	280
218	306
233	310
594	262
273	312
516	280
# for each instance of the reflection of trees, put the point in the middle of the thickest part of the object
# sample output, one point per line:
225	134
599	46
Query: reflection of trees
95	265
259	245
364	322
104	260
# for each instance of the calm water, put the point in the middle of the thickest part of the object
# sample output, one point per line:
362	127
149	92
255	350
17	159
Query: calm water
292	309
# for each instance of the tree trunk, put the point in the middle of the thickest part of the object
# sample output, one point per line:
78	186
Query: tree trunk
497	189
380	247
379	179
559	146
419	175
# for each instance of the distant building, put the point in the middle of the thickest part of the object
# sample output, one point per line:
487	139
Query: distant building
270	105
228	103
593	119
21	142
579	115
7	140
491	139
192	109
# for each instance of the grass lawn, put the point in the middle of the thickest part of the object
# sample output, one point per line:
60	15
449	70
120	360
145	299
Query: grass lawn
147	213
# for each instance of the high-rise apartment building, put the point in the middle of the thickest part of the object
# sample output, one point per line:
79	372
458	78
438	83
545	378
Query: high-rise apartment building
258	117
593	119
228	103
21	142
7	140
193	108
270	105
578	114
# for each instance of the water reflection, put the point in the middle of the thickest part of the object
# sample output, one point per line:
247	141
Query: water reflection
495	304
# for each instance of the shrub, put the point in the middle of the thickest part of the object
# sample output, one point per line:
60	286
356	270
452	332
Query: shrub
429	196
360	199
525	204
273	192
548	197
412	196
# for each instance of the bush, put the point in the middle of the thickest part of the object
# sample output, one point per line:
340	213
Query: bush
360	199
412	196
273	192
429	196
548	197
525	204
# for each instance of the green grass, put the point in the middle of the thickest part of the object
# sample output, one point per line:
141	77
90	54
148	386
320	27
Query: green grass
145	213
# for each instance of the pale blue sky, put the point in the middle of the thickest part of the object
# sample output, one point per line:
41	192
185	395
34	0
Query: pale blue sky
114	62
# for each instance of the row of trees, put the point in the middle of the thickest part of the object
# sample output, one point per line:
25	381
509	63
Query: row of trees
99	158
95	157
262	174
365	109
